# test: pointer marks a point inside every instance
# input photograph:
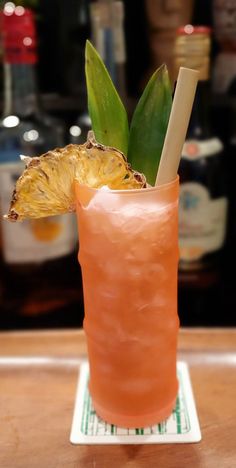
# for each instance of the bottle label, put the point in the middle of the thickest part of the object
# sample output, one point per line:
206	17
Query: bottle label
195	149
33	240
20	50
202	222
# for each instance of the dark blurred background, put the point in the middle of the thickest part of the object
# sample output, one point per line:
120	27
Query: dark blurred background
46	294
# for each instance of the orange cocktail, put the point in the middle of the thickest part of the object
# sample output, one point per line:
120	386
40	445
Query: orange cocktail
129	255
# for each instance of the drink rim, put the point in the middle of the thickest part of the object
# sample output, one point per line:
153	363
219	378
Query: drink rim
157	188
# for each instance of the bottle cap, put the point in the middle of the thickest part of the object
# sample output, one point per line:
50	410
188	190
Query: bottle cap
18	34
189	29
192	49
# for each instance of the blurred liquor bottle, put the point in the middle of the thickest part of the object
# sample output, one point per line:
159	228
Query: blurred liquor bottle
224	116
79	129
203	192
41	277
107	21
163	18
224	70
224	64
78	30
107	34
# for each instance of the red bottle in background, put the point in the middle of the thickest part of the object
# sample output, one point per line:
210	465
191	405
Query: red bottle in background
41	278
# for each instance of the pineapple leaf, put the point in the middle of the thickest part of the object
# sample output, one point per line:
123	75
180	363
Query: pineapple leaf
149	125
107	112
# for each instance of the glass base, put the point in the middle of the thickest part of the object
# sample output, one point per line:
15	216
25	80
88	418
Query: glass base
133	422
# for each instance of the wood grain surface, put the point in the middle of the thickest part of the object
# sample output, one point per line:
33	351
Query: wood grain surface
38	377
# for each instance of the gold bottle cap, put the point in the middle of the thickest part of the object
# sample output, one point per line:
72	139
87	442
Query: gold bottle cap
192	49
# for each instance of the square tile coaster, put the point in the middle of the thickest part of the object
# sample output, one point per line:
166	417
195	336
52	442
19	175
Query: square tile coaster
181	427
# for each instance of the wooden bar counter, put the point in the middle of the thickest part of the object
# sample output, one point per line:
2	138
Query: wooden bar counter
38	378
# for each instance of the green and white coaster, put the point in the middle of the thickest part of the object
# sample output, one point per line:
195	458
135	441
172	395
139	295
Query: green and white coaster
181	427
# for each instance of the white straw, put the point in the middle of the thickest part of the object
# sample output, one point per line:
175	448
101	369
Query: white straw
178	125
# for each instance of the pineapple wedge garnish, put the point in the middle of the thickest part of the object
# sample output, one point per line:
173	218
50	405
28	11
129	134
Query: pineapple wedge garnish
46	186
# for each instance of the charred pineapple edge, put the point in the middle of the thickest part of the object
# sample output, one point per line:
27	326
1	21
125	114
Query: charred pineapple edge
91	142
